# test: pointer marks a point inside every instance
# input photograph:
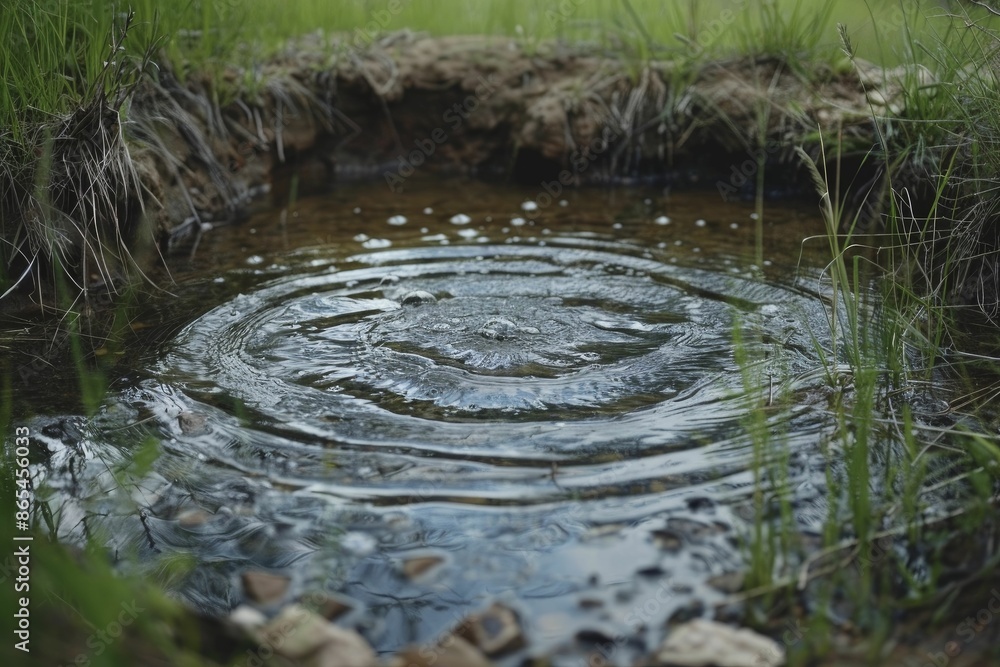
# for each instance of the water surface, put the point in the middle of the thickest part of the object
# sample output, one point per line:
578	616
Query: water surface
547	400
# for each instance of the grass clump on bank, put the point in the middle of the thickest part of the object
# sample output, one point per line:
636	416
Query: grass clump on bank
70	197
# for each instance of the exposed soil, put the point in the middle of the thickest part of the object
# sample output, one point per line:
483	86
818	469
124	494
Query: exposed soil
556	116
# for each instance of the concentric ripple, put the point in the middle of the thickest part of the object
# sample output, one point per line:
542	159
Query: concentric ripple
478	367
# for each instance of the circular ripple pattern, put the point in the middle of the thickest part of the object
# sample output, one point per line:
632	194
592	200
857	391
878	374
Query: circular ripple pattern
479	367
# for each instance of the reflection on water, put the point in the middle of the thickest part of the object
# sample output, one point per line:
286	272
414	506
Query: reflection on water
548	400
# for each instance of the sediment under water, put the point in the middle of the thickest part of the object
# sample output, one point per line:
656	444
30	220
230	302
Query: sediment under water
547	401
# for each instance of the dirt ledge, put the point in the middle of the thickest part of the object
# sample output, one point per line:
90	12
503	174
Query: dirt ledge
483	106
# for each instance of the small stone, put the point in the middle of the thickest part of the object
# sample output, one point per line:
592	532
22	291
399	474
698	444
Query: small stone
303	635
265	588
702	643
727	582
415	567
246	617
343	648
326	605
452	651
192	423
667	540
192	518
495	631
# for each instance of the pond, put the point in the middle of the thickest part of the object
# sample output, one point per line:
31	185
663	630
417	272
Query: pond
429	402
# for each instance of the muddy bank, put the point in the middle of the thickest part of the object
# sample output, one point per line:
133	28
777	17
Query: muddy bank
555	116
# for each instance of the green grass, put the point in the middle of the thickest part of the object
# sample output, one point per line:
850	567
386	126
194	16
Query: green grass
890	317
675	28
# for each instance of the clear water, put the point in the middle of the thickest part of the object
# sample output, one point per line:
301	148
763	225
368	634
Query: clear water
548	401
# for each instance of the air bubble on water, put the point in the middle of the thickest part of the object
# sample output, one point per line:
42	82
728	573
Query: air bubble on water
434	237
389	280
754	216
662	220
589	356
376	244
253	260
489	218
361	238
647	201
617	225
417	297
397	220
678	242
498	328
518	222
468	233
529	206
423	230
219	279
699	223
428	210
563	202
734	225
460	219
357	210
